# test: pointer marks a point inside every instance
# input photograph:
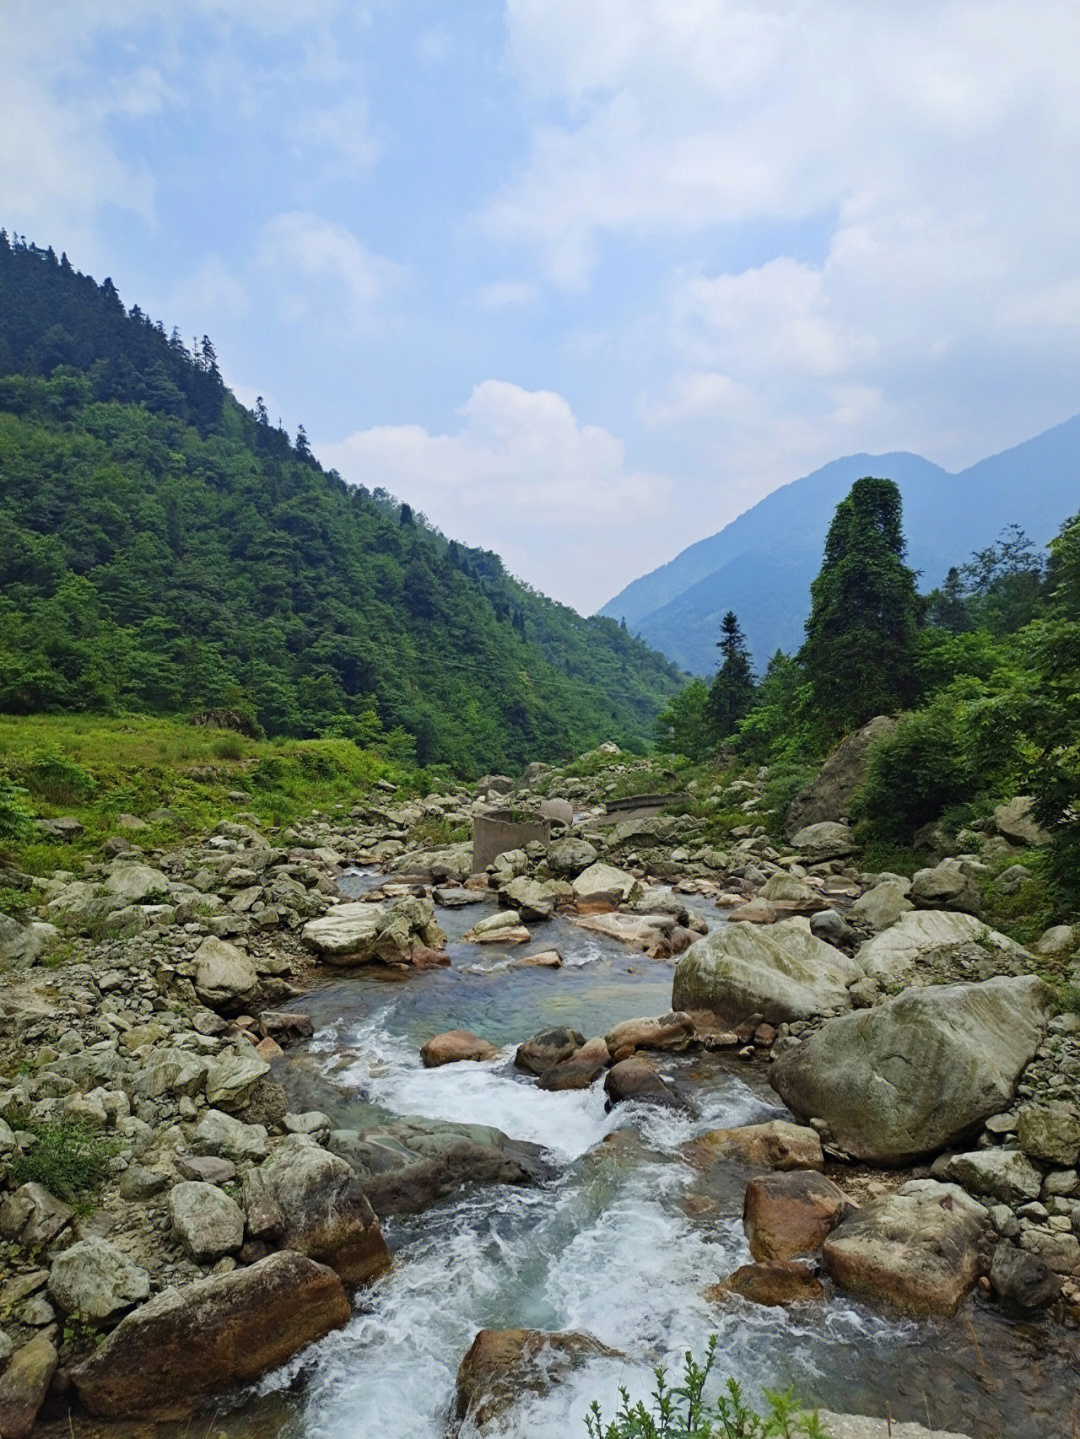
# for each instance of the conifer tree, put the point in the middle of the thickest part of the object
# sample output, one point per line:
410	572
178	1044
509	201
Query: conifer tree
731	696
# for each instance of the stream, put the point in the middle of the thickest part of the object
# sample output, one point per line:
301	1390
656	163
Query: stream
620	1242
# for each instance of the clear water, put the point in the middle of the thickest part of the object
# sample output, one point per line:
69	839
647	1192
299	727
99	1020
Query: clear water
612	1245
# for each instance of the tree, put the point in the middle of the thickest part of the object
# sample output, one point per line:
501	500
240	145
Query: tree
731	696
945	606
859	651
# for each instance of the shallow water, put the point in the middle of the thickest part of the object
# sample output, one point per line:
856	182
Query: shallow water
610	1244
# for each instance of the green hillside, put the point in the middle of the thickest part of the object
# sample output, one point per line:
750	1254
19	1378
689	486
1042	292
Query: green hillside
164	549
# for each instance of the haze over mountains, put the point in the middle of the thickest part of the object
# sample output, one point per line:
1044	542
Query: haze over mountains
761	564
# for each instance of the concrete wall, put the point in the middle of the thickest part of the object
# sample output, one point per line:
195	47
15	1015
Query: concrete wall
495	833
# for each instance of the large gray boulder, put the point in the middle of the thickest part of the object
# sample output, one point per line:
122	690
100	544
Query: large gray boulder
924	937
824	841
206	1221
1016	822
604	884
881	906
224	975
829	794
945	886
783	973
918	1072
137	883
568	857
94	1280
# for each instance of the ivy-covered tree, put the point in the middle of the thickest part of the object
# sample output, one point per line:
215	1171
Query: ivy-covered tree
859	651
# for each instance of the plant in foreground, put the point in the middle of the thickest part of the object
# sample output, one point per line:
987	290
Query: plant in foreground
681	1411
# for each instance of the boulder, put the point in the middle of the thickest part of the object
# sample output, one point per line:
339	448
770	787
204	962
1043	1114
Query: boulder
24	1384
918	1248
1016	822
218	1133
829	794
604	884
784	974
773	1282
638	1079
670	1032
33	1216
232	1077
861	1426
917	1072
209	1168
503	1365
165	1359
831	926
924	937
657	935
881	906
1058	941
827	840
454	1046
1003	1174
785	1215
1022	1281
94	1280
789	892
945	886
502	928
224	975
547	1049
543	959
777	1144
137	883
347	934
1050	1133
326	1214
532	900
568	857
207	1222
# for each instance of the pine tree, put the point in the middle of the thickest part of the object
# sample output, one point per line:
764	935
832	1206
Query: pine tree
731	696
860	637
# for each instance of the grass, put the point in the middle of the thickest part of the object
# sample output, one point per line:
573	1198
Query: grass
70	1160
96	767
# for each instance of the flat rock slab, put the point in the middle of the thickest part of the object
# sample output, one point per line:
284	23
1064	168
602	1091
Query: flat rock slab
164	1360
916	1073
860	1426
346	934
657	935
916	936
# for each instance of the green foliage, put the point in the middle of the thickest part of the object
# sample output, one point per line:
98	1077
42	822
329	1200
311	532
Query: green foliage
56	778
70	1160
164	550
732	693
16	818
16	902
781	726
860	635
686	725
682	1411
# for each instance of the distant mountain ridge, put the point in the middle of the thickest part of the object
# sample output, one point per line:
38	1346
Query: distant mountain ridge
761	564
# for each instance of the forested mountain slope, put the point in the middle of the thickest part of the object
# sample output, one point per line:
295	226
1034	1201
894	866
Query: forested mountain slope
164	548
762	563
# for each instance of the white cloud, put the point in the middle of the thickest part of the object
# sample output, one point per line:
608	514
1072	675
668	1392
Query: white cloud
523	475
318	262
341	132
501	293
211	290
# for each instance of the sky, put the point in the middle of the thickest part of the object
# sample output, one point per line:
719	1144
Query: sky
579	279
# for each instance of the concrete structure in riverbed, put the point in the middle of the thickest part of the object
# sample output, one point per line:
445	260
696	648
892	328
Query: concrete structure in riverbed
502	830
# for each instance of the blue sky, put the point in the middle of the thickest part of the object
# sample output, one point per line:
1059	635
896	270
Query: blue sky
580	279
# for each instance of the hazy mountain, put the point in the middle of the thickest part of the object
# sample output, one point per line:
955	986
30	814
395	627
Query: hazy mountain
762	563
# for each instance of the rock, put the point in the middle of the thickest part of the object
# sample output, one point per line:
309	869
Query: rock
918	938
882	906
1015	822
327	1216
502	928
207	1222
347	934
657	935
638	1079
573	1073
945	886
785	1215
568	857
94	1280
827	840
917	1072
137	883
231	1079
790	892
670	1032
1050	1133
917	1248
604	884
755	911
543	959
777	1144
785	974
165	1359
1022	1281
859	1426
547	1049
137	1182
169	1072
504	1364
532	900
217	1133
207	1168
454	1046
831	926
829	794
773	1282
224	975
33	1216
24	1384
1058	1250
994	1174
1058	941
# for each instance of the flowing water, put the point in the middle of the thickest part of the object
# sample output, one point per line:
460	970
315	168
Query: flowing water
620	1242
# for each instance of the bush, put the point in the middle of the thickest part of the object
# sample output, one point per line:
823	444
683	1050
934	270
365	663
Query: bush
70	1160
16	819
682	1413
57	779
229	747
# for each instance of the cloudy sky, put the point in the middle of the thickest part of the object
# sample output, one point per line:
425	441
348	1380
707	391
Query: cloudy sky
580	279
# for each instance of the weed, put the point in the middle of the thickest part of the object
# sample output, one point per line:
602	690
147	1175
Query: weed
17	902
228	747
70	1160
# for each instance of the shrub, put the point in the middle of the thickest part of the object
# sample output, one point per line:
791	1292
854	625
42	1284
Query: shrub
57	779
70	1160
228	747
682	1412
16	819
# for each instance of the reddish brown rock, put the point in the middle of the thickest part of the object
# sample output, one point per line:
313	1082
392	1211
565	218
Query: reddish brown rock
455	1046
778	1145
503	1365
785	1215
776	1281
670	1032
165	1359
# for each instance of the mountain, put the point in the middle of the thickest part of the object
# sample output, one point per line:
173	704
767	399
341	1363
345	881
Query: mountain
163	548
761	564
